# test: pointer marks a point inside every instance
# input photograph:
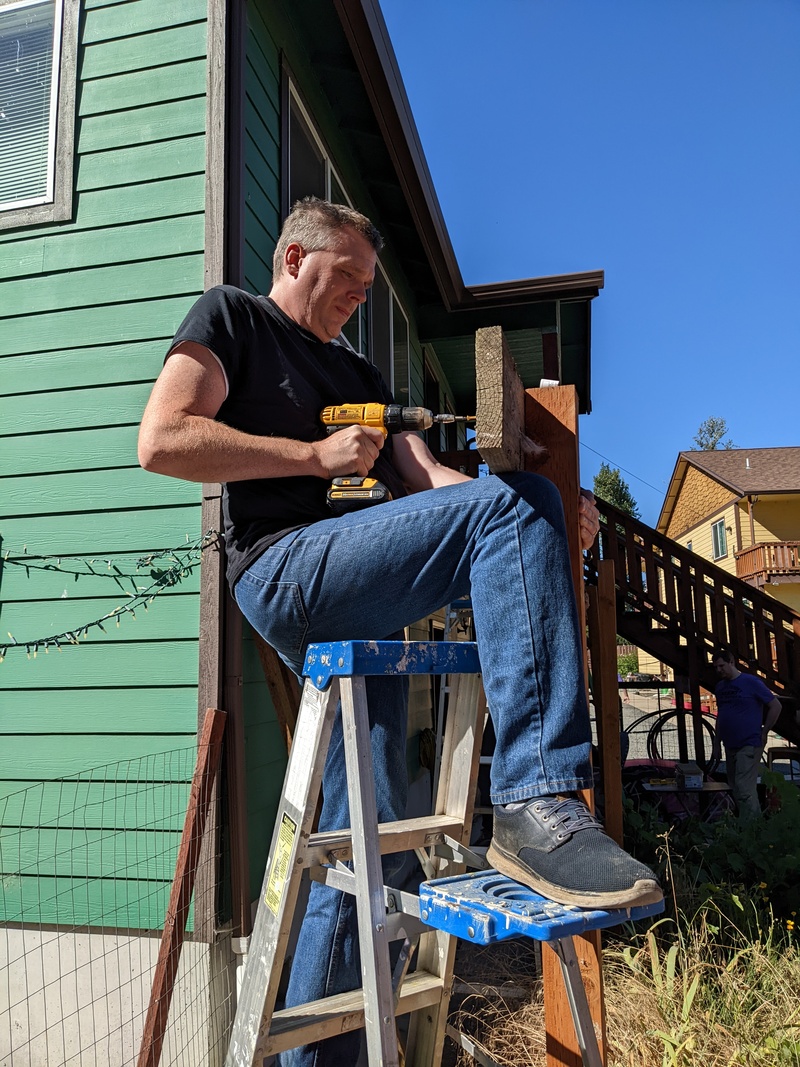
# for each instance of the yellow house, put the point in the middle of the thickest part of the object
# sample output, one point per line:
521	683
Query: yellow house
740	508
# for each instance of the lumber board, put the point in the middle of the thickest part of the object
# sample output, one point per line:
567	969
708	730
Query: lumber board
93	805
93	491
551	416
90	853
602	619
126	91
72	409
208	757
95	711
500	402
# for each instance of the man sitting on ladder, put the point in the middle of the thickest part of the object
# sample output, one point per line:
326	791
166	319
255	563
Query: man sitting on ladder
238	401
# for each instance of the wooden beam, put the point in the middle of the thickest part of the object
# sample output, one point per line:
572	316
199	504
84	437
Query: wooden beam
551	416
210	694
200	797
499	428
284	688
602	619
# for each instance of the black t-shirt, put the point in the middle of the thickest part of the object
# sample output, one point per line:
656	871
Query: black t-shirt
280	377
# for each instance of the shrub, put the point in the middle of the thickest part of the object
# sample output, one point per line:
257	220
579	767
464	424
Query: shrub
628	663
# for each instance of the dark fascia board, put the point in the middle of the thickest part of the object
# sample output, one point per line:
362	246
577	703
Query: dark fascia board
675	482
522	291
368	37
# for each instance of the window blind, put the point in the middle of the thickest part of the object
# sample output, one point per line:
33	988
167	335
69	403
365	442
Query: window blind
28	92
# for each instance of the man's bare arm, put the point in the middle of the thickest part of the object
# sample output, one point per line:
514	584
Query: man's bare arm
773	712
418	467
180	437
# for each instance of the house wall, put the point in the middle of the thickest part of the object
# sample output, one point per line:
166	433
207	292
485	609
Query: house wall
87	308
698	497
777	518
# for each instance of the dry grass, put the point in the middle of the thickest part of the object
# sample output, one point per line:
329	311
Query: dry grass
673	999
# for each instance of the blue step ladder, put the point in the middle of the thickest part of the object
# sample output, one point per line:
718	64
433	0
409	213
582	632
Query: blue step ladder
482	907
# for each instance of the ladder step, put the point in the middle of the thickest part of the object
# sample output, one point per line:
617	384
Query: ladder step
486	907
338	1014
347	658
400	836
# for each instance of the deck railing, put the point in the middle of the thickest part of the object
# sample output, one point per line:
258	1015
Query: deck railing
760	563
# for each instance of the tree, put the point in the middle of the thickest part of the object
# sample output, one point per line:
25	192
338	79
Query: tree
610	486
709	435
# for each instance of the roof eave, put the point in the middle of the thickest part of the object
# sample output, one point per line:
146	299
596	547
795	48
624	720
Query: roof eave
368	37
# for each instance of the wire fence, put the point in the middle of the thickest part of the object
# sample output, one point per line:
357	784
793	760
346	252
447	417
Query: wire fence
86	867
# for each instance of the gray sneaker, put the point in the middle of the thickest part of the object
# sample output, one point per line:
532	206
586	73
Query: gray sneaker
558	848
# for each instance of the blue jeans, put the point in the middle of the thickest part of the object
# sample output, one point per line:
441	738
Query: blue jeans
365	576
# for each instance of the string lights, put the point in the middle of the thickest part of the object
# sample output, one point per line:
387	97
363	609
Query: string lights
175	565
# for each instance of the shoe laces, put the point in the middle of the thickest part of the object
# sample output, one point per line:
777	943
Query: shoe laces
565	816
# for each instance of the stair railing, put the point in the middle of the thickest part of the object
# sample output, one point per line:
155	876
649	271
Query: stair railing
674	589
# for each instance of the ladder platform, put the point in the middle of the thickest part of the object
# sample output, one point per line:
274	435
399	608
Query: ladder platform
349	658
486	907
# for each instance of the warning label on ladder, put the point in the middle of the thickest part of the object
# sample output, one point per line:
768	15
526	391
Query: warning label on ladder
280	864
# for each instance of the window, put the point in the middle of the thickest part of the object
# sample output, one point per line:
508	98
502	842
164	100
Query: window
379	329
38	48
719	539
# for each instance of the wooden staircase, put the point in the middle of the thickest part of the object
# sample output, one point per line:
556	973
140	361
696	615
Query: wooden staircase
679	608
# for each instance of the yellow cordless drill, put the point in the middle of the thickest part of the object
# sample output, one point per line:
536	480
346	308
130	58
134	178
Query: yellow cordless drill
353	492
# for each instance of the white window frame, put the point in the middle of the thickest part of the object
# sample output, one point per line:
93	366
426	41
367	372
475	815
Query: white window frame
719	539
56	204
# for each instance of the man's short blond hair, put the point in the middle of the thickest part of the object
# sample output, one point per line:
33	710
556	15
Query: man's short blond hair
315	223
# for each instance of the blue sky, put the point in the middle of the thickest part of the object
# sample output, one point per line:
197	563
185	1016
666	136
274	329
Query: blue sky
659	142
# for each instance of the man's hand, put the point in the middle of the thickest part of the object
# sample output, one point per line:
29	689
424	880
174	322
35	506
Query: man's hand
352	450
588	518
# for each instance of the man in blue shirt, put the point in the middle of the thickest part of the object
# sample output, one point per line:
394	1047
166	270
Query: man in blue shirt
746	712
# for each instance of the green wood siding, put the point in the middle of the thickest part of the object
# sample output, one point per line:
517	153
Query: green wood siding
262	152
87	309
265	751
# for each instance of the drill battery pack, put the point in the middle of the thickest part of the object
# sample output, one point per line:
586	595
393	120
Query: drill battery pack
353	493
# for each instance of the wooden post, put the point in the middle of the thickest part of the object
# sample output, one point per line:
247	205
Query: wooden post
200	796
602	619
505	433
283	686
551	417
